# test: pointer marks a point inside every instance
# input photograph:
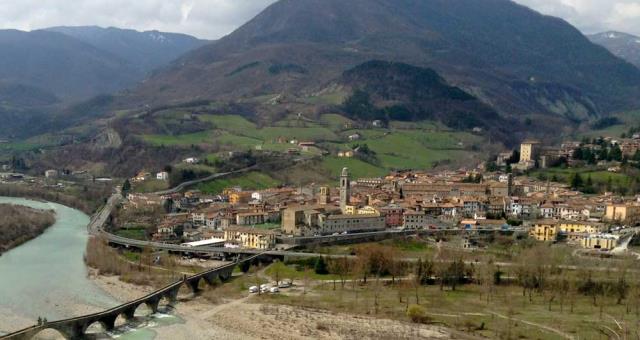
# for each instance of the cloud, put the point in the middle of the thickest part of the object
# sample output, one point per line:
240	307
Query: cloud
203	18
213	19
593	16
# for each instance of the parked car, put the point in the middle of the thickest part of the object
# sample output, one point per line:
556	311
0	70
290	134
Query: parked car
253	289
274	290
285	284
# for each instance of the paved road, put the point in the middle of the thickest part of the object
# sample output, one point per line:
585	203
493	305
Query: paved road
185	185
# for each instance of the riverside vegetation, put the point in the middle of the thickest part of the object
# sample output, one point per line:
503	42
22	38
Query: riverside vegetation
20	224
537	291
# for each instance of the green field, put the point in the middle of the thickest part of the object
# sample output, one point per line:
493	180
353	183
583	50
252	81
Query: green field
357	167
248	181
405	145
132	233
628	120
411	149
151	185
597	176
179	140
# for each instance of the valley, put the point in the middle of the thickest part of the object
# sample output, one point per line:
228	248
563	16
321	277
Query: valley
319	169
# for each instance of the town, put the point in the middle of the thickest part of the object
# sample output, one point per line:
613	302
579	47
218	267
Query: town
464	200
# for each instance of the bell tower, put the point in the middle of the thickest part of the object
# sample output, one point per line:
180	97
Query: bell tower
345	189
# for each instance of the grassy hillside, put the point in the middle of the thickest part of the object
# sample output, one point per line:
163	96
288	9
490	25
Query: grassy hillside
248	181
626	120
401	145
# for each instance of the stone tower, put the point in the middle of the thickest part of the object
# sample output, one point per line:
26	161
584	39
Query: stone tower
345	189
324	195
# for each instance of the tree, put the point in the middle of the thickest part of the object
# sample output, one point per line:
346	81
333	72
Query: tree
591	288
491	166
576	181
615	153
276	269
359	105
321	266
453	274
603	154
339	267
126	186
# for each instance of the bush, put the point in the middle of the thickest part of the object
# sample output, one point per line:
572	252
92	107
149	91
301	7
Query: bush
320	266
418	314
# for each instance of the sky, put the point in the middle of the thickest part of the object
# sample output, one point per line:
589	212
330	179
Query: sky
212	19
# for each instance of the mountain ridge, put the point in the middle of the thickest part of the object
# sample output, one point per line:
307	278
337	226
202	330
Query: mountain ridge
145	50
492	49
623	45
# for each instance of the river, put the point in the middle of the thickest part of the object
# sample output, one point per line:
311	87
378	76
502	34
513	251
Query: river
47	277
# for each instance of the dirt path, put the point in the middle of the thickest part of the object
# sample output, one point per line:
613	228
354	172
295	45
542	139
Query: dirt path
546	328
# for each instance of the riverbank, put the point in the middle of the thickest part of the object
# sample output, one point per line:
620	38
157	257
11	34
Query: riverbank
20	224
46	277
250	318
86	199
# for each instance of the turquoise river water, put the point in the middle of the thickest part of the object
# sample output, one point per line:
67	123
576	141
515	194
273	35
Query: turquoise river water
47	277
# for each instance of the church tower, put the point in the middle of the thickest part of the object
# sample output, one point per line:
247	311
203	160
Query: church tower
345	189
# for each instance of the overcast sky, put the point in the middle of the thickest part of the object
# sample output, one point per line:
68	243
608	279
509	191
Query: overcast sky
215	18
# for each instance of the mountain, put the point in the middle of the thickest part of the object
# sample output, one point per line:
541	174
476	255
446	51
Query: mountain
512	58
61	65
144	51
401	92
623	45
44	73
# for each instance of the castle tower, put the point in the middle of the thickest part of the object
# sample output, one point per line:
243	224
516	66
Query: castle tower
324	195
345	189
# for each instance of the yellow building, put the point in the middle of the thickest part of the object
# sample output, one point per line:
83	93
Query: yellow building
368	210
239	197
545	230
250	237
528	151
548	230
600	241
350	210
622	212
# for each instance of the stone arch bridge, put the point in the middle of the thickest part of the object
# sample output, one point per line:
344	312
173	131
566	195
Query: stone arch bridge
75	328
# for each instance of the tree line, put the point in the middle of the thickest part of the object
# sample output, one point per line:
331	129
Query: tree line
20	224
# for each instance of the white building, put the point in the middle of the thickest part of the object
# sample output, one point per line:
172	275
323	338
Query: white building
256	196
191	160
51	173
162	176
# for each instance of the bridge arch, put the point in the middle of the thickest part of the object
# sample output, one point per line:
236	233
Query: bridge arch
98	327
143	309
50	333
120	320
166	303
